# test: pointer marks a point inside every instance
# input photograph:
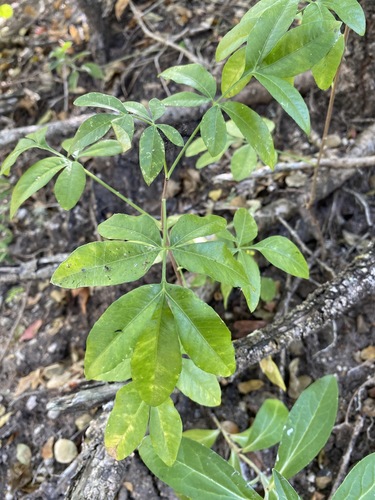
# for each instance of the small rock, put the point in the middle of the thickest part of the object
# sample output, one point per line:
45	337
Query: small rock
23	454
333	141
230	427
65	451
82	421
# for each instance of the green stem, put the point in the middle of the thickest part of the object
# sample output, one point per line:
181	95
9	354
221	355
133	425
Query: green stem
182	152
119	195
164	230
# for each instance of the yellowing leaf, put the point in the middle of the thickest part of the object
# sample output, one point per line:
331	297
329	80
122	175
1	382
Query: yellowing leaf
271	371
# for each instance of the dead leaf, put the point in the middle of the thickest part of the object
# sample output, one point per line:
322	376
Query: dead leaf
75	34
47	449
245	326
215	194
120	7
191	179
30	381
83	295
31	330
250	386
368	353
271	371
4	419
129	486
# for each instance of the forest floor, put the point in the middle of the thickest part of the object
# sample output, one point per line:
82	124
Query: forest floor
43	328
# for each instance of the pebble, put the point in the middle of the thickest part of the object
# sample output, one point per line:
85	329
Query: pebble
65	451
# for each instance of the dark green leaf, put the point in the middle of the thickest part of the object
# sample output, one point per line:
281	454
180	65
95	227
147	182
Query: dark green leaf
245	226
70	185
157	108
350	12
156	362
289	99
99	100
151	154
243	162
193	75
112	339
109	147
104	263
359	484
198	473
283	489
172	135
165	431
253	129
198	385
214	131
207	437
308	426
136	228
213	259
252	290
231	81
203	334
127	423
37	176
91	130
284	254
189	226
186	99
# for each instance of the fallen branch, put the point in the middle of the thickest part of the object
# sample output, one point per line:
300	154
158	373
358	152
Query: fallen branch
327	303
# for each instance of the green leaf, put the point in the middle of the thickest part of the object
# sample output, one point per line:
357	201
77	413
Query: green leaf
360	482
93	70
186	100
245	226
267	289
284	254
350	12
270	26
253	129
325	70
151	154
283	489
214	131
156	362
266	429
189	226
193	75
37	176
207	159
234	461
165	431
243	162
91	130
300	49
196	147
104	263
112	339
207	437
172	135
138	109
231	81
198	472
198	385
22	146
289	99
203	334
251	291
123	128
70	185
102	148
157	108
73	80
308	426
127	423
99	100
213	259
136	228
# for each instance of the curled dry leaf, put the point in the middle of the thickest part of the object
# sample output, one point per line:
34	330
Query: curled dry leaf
31	330
250	386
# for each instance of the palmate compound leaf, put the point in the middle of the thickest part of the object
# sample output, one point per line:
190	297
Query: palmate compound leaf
37	176
267	428
198	473
284	254
308	426
156	361
127	423
198	385
112	339
104	263
70	185
136	228
195	76
190	226
204	336
360	482
165	431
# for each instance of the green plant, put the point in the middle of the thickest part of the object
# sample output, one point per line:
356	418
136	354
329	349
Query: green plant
161	336
6	235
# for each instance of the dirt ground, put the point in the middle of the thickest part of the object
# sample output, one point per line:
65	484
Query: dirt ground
43	328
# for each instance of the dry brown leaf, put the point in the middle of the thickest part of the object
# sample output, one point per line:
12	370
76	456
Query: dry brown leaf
83	295
31	330
191	179
30	381
75	34
368	353
250	386
47	449
120	7
5	418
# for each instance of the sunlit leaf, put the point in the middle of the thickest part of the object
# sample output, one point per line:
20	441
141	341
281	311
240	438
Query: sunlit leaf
186	99
189	226
350	12
136	228
198	385
272	372
243	162
165	431
231	81
325	70
252	290
207	437
193	75
99	100
91	130
109	147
